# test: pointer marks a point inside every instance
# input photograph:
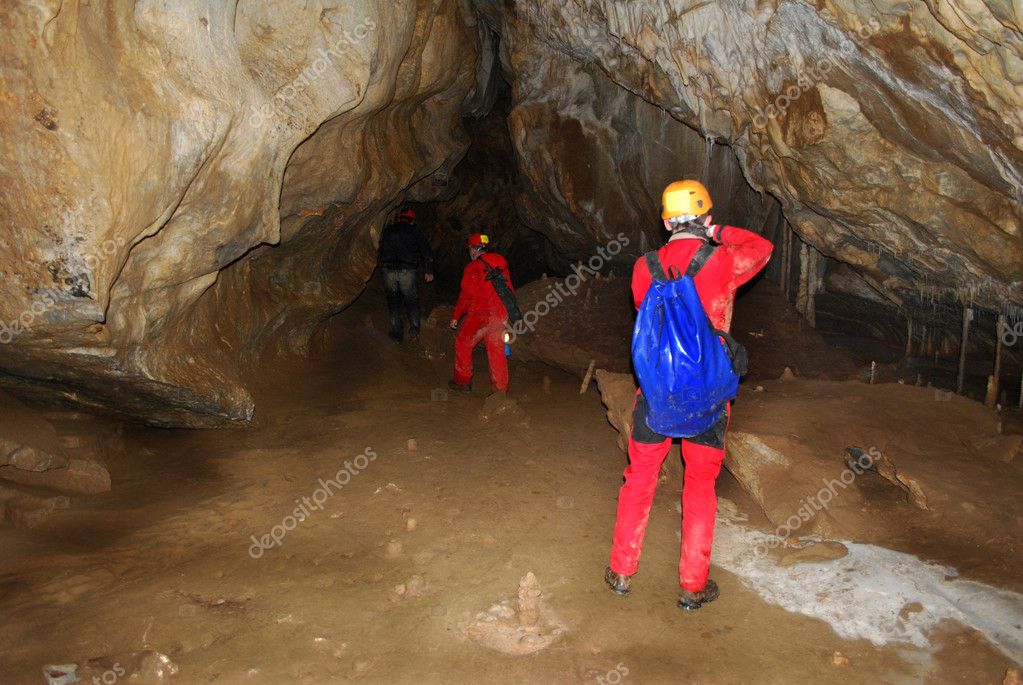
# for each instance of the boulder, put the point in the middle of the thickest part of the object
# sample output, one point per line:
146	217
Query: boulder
78	477
618	393
259	149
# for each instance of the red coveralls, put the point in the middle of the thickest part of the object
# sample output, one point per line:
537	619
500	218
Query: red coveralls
741	255
485	321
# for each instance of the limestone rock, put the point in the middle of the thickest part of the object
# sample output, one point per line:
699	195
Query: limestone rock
192	185
78	477
842	111
618	393
499	407
24	510
26	458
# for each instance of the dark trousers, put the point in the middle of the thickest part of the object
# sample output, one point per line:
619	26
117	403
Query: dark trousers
402	298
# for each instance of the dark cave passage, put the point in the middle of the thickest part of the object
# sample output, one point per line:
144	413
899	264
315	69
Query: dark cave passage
248	433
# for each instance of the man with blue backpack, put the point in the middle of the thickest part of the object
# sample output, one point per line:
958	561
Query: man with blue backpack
688	368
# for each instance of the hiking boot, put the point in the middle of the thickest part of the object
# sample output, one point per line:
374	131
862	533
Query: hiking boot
618	582
691	601
460	388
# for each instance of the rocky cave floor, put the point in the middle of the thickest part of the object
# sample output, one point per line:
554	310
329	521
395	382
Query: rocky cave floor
386	583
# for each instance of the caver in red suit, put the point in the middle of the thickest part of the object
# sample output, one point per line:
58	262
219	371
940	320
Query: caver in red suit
485	317
739	256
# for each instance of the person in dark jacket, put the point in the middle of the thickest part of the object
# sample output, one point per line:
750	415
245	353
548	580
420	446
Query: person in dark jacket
402	248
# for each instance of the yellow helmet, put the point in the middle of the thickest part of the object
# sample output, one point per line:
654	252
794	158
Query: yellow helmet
688	198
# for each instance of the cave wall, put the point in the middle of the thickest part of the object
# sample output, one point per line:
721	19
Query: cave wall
593	158
889	131
188	185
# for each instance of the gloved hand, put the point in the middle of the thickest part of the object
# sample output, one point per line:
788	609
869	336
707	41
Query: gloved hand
711	228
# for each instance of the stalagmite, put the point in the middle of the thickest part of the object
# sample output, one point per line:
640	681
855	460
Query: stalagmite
909	337
529	602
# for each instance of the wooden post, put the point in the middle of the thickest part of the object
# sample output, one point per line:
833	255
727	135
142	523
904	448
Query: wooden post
803	294
786	256
992	391
813	283
909	337
588	377
967	318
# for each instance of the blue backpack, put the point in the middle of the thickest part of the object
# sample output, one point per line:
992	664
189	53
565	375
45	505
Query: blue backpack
687	375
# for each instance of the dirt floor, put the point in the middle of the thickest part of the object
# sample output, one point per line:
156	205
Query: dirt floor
171	572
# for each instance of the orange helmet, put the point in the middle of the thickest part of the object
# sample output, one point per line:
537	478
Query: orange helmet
478	240
686	198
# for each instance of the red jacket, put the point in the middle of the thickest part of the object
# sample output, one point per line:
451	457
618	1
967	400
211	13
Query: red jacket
740	256
478	297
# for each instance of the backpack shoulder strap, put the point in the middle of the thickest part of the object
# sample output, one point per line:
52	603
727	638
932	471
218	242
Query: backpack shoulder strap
490	271
653	263
700	259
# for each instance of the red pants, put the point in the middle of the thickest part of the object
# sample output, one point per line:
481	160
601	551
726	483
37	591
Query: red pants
699	507
490	330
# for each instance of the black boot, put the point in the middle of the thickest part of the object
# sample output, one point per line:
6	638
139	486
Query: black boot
618	582
691	601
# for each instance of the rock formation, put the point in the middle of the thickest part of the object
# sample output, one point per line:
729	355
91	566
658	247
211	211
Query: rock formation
187	186
891	133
